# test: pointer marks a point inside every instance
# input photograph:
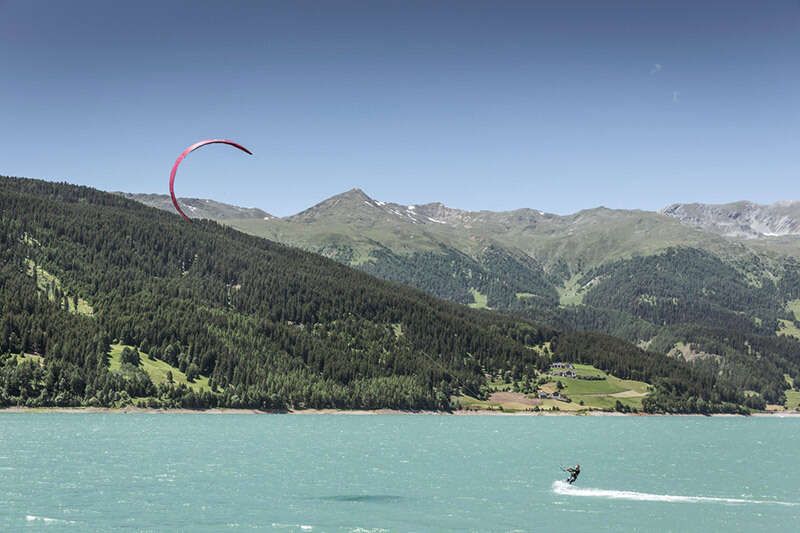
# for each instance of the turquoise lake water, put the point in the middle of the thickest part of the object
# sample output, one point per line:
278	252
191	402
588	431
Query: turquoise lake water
205	472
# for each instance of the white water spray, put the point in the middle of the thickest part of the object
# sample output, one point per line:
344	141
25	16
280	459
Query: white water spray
565	489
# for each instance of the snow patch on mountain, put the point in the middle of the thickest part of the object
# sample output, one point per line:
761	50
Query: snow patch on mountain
740	219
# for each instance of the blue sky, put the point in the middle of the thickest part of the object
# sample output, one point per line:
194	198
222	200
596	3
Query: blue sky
557	106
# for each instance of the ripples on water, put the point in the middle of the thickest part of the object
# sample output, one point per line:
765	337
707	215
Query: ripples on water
171	472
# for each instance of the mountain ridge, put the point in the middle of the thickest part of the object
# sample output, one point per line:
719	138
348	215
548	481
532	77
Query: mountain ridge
742	219
365	224
198	207
695	214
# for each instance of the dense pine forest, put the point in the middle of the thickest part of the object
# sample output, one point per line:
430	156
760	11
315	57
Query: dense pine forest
681	296
688	294
273	327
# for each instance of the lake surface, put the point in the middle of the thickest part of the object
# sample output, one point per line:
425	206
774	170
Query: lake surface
206	472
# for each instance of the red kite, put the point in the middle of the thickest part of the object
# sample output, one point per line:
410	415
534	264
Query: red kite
186	152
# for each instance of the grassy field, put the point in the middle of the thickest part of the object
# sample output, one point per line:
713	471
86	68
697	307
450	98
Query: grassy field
542	349
792	399
480	300
21	358
156	369
599	394
473	404
44	280
588	370
516	402
788	328
595	394
794	307
570	293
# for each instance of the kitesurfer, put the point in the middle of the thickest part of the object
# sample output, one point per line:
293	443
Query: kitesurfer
573	472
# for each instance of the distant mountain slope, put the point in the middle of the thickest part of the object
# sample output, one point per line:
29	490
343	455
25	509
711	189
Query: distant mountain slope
197	208
583	239
352	227
740	219
545	252
356	224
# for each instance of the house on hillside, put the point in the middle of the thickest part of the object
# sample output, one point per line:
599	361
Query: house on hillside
566	374
554	396
563	369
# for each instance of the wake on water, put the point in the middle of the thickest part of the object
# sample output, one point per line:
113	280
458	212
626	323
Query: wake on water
565	489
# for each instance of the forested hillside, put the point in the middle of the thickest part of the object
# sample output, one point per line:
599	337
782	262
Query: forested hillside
691	305
266	325
270	326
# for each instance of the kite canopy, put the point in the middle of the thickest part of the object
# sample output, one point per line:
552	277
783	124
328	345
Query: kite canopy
186	152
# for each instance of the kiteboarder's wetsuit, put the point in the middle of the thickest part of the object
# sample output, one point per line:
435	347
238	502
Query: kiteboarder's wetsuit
573	474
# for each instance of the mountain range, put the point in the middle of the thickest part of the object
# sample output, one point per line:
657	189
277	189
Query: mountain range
107	302
694	281
603	234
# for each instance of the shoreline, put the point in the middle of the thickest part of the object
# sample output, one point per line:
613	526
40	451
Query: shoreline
364	412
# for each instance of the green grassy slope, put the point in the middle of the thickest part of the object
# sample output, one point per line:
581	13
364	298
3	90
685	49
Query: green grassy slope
600	393
50	284
793	400
157	370
583	395
480	299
